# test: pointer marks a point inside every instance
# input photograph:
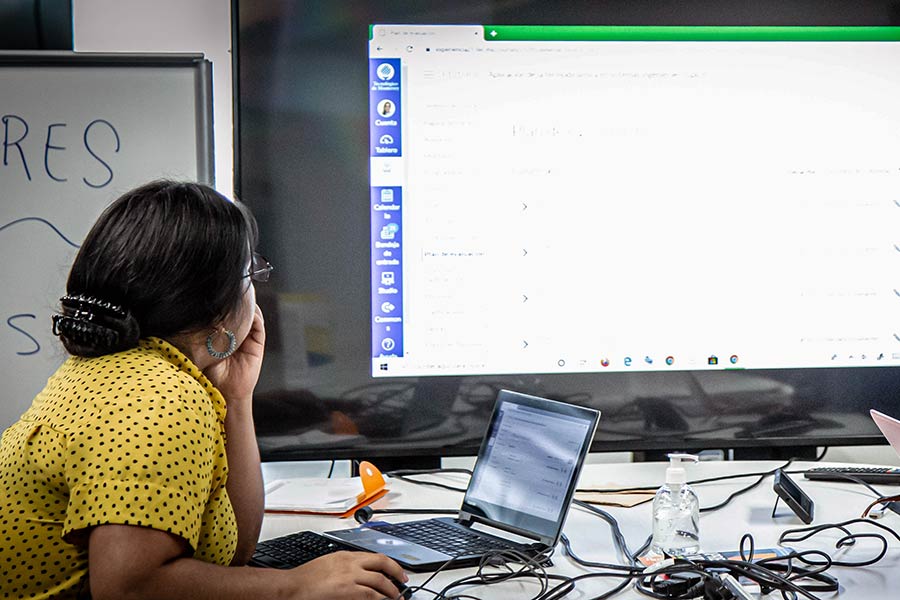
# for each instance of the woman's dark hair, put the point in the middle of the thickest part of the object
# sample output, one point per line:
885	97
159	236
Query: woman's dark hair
165	258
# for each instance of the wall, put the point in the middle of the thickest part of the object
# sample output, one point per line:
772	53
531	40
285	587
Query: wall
125	26
169	26
80	135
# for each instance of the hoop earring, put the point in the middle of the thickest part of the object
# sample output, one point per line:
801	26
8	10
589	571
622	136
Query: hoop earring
232	345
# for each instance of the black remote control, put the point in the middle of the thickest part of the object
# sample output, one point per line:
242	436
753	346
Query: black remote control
884	475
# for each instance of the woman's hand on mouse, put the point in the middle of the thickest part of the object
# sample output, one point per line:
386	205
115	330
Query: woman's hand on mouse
348	576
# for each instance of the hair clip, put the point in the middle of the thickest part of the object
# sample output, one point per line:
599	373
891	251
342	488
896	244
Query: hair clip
84	301
57	318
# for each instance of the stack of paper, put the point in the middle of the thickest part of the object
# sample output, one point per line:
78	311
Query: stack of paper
326	496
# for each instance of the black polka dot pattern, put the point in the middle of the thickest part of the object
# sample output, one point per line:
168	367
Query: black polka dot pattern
132	438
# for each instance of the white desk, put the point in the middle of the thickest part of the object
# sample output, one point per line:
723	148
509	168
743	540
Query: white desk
720	530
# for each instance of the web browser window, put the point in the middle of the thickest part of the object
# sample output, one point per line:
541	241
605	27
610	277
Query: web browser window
582	199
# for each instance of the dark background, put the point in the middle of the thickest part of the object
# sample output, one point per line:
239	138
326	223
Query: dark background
35	25
302	166
301	148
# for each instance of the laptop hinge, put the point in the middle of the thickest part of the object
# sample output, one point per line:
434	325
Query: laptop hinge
485	526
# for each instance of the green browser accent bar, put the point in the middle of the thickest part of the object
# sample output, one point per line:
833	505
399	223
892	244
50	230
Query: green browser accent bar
607	33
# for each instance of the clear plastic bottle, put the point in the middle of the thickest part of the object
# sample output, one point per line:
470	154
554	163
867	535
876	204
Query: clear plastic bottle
676	512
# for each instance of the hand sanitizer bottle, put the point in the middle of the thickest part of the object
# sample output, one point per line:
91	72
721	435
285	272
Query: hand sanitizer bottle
676	512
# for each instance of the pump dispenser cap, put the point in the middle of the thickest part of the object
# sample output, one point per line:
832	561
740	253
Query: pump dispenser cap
675	474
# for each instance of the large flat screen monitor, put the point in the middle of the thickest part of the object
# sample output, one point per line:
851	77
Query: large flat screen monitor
694	229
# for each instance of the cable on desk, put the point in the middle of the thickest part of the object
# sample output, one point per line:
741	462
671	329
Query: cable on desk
422	587
795	580
560	590
804	533
618	538
683	580
514	565
690	578
627	571
778	573
886	500
405	475
761	475
567	546
644	488
744	490
531	566
798	573
706	479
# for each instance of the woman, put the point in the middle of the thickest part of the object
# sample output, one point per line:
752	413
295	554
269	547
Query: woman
118	482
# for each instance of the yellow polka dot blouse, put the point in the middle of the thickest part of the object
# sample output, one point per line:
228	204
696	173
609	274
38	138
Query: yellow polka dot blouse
131	438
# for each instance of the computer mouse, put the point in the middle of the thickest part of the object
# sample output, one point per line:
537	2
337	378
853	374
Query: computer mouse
405	591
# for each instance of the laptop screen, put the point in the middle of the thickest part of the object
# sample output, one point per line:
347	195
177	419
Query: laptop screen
528	465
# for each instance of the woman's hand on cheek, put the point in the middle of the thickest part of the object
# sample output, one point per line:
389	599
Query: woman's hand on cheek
236	376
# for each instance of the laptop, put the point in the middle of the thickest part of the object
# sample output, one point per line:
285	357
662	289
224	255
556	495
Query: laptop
522	484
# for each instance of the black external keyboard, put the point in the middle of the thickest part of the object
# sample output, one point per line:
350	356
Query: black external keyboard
884	475
293	550
439	536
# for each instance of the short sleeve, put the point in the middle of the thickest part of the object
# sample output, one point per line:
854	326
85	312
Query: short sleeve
144	461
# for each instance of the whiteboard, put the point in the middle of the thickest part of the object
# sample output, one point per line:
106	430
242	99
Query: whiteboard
76	131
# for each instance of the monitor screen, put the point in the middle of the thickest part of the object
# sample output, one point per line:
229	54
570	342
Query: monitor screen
689	228
560	199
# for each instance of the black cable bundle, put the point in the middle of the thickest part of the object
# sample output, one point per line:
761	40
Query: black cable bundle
795	574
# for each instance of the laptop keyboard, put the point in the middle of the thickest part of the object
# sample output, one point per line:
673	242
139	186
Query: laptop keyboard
293	550
445	538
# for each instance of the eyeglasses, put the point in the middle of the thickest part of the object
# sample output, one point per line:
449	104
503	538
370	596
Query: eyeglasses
259	268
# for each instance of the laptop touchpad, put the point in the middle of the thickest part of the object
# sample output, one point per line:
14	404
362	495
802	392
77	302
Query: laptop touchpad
375	541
